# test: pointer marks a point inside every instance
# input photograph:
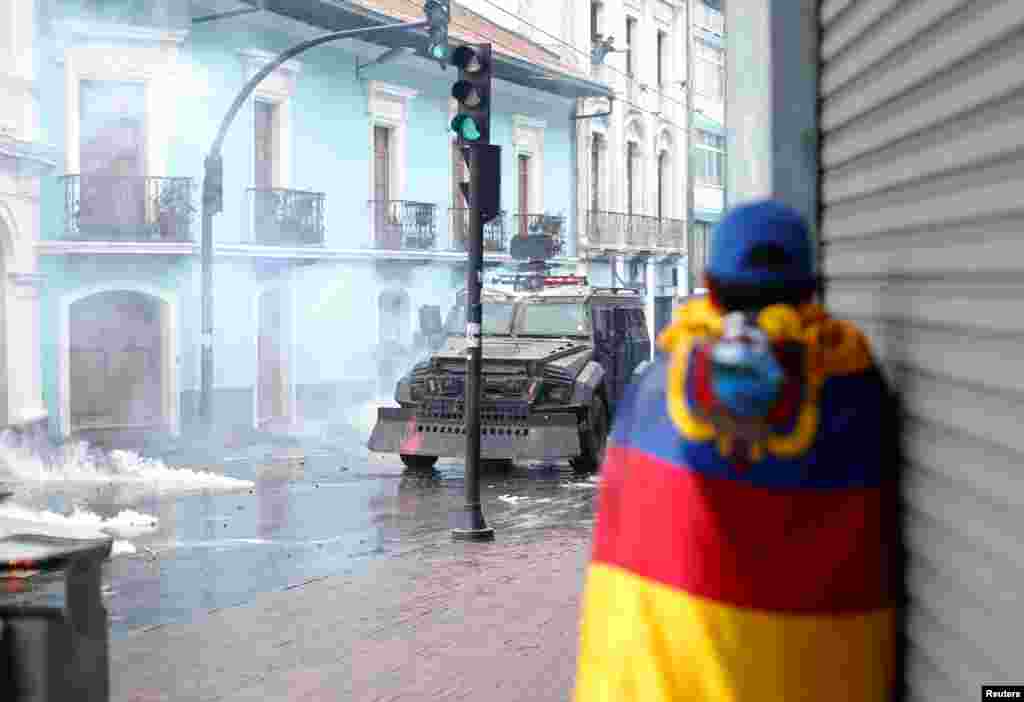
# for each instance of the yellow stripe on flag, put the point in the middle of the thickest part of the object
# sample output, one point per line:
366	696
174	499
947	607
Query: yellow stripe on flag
644	641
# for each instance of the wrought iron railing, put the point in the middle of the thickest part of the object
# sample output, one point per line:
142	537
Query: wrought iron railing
622	228
605	228
495	238
641	230
671	233
287	217
128	208
535	225
403	225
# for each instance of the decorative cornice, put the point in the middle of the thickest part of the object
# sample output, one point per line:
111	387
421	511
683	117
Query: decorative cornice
398	91
147	248
261	58
76	29
526	122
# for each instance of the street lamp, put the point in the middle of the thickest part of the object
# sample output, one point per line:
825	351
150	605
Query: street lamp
213	178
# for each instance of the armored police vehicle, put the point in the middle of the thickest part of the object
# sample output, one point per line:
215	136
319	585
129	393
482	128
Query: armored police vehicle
555	364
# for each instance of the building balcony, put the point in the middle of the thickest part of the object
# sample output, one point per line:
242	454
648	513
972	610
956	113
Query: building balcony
403	225
495	236
634	231
282	217
537	236
127	208
671	234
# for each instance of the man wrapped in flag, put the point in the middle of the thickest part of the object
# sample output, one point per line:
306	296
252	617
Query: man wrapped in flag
746	539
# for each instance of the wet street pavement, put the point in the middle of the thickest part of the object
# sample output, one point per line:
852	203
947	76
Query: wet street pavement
321	507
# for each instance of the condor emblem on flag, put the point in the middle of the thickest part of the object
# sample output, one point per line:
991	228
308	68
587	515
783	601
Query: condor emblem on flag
715	578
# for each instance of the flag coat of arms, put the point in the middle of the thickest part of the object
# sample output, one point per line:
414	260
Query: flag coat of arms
730	580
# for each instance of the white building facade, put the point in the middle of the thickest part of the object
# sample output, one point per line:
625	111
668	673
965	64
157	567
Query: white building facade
23	161
632	205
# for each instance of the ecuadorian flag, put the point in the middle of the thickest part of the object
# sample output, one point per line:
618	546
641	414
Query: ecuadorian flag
773	580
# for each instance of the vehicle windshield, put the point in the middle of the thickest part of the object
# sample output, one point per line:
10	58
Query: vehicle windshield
497	319
553	319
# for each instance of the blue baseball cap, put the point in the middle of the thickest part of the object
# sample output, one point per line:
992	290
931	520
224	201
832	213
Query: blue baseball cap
761	243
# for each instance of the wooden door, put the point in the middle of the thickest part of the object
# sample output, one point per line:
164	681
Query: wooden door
116	361
264	202
386	219
112	195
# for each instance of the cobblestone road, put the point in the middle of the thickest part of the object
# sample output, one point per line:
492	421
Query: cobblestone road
494	622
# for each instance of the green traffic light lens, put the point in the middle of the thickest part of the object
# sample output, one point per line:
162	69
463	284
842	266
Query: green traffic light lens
465	126
469	130
439	51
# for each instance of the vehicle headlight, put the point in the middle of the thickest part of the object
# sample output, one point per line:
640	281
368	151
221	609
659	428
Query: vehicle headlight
558	393
415	391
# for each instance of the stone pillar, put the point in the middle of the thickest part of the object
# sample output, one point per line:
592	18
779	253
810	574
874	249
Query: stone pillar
771	102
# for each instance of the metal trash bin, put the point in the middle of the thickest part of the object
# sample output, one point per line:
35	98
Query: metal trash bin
51	653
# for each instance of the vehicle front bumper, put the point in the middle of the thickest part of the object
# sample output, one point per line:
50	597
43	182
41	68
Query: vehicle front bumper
541	435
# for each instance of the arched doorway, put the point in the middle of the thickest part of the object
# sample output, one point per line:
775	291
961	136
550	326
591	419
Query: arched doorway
273	391
118	362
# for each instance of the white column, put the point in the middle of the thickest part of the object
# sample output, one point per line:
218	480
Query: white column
771	102
24	398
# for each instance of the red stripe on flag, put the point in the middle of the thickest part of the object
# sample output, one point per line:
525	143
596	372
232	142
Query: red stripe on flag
794	550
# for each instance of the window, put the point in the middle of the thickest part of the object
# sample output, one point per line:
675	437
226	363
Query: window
709	70
707	17
263	138
630	27
661	58
553	319
112	197
595	18
496	319
701	233
595	173
386	219
709	159
661	183
381	164
631	172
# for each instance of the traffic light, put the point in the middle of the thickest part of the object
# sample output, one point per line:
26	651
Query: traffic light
438	13
473	93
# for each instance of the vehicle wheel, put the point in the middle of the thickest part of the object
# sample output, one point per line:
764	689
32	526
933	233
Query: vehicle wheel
414	462
593	439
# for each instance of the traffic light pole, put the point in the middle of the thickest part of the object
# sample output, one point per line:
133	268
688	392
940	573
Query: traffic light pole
213	195
470	523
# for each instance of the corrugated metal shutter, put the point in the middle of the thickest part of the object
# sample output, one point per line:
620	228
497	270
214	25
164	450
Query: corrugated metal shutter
923	227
